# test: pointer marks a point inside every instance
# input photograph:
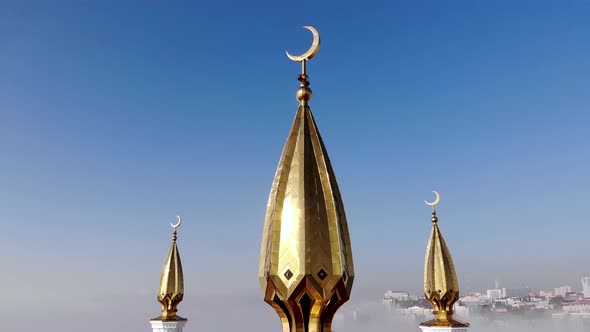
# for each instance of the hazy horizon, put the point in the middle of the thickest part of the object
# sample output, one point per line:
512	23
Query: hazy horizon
250	312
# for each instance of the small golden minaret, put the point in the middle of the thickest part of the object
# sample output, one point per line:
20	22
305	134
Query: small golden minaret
171	290
306	270
441	287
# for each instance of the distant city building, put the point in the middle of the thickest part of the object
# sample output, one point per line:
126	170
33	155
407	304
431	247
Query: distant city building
542	304
574	295
475	300
521	292
578	306
417	313
561	291
396	295
586	287
494	294
500	307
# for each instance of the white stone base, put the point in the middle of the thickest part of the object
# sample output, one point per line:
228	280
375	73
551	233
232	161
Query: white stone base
442	329
170	326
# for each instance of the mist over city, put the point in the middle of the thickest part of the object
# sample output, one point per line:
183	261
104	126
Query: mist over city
207	166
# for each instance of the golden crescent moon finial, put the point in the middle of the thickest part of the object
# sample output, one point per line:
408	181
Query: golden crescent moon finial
436	201
177	224
312	51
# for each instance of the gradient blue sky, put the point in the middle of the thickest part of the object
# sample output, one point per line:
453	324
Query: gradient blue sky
115	116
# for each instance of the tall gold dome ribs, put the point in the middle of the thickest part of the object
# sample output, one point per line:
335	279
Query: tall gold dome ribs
441	287
306	270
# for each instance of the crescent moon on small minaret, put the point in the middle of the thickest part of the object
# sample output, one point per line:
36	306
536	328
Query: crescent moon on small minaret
436	201
177	224
312	51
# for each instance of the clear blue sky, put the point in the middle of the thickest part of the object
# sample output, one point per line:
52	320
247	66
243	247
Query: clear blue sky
115	116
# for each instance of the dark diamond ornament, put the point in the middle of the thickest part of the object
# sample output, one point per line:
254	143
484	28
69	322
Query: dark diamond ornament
288	274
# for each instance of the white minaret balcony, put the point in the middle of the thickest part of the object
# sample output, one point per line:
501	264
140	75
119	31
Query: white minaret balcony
163	326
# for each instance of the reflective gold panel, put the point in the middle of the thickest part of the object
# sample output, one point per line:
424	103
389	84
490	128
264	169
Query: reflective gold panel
441	287
171	289
306	269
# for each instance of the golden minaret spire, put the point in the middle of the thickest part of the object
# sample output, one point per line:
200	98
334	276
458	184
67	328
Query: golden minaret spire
306	269
171	290
441	287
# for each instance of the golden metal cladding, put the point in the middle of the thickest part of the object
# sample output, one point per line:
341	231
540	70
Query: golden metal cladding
441	287
171	289
306	269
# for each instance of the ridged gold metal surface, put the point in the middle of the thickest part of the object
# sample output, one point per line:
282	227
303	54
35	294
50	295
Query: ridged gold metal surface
171	290
441	287
306	269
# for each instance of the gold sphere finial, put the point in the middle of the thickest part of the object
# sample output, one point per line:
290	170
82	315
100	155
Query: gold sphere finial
304	93
434	217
